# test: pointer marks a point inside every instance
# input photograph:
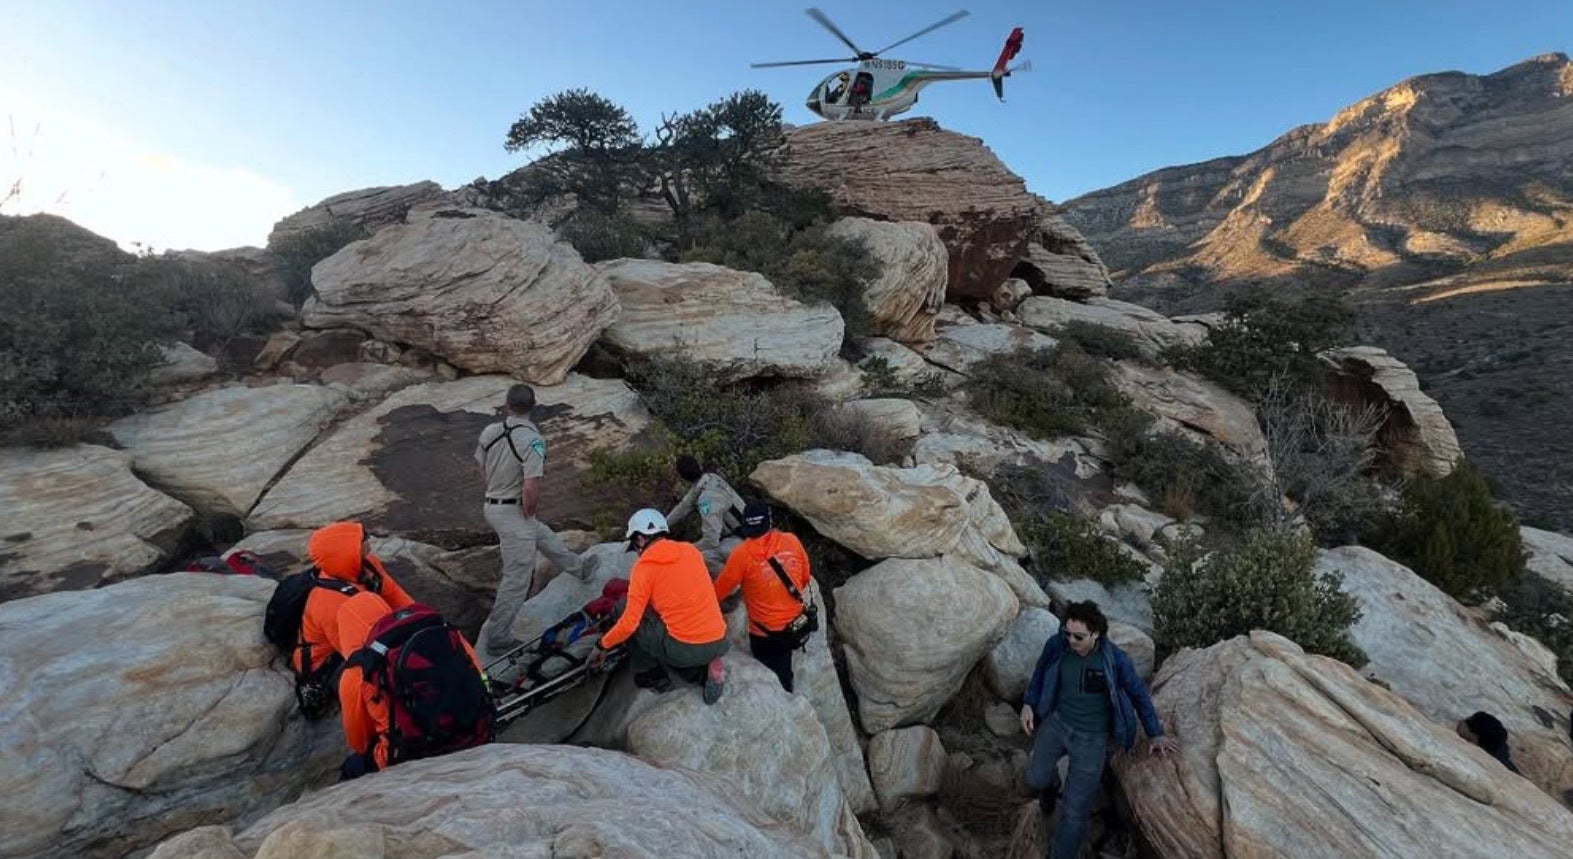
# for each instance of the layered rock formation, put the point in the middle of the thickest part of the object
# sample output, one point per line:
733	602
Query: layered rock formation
582	803
1285	754
1415	436
371	208
913	273
145	708
913	170
488	294
76	517
711	314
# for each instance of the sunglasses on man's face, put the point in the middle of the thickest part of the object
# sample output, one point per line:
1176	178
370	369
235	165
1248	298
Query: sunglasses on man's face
1079	636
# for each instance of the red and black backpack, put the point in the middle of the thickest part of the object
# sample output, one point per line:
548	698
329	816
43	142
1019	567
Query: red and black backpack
437	700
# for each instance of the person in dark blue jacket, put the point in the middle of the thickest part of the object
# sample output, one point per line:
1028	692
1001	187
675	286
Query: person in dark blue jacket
1083	693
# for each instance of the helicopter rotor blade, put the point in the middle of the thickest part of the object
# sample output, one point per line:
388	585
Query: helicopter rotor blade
799	63
926	30
824	21
933	66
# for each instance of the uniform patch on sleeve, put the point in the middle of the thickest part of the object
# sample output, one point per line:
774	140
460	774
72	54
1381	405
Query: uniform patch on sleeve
538	445
704	508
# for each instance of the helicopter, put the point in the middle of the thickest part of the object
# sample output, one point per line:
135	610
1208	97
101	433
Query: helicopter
880	89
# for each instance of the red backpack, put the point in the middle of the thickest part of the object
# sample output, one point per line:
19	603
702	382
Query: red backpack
437	700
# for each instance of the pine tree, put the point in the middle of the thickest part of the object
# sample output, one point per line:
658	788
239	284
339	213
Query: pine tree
1452	532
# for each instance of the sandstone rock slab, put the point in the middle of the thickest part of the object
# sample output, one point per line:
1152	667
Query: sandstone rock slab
1009	666
371	208
1415	436
182	365
961	348
912	630
905	764
1286	754
1195	404
486	293
1550	556
219	450
913	273
1061	262
76	517
134	711
717	315
1151	331
406	466
581	803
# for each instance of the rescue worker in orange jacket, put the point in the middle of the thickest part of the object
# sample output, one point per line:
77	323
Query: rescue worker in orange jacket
771	607
364	708
685	631
341	552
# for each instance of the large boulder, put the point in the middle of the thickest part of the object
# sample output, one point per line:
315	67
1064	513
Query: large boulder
717	315
913	170
1285	754
1415	437
1062	263
911	286
1188	401
1152	332
406	466
486	293
881	512
145	708
190	448
959	438
912	630
371	208
1550	556
76	517
514	801
768	746
1448	663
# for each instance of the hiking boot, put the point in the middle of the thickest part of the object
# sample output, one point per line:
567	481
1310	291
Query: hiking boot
715	681
655	679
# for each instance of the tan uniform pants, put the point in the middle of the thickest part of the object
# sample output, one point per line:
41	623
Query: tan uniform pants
519	538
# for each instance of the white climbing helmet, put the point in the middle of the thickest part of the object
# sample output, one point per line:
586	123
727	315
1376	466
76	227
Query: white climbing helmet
646	522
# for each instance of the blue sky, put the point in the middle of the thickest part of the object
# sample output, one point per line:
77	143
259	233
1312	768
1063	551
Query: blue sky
198	124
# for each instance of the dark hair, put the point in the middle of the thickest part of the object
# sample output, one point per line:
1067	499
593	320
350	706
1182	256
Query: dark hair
521	399
1488	729
688	468
1090	616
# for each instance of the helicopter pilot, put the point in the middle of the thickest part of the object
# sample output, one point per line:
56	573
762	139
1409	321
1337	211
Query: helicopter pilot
833	93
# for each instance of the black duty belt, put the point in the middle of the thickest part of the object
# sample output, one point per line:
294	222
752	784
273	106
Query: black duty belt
502	501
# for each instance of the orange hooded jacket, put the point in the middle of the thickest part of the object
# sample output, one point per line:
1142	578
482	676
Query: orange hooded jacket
364	709
770	605
336	552
671	577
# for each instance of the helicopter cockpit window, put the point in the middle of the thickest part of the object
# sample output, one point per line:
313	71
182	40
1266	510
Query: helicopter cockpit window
836	87
862	89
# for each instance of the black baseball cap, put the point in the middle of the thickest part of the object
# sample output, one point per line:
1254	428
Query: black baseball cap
756	519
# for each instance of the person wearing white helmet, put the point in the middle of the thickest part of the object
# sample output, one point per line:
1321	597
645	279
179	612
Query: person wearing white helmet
670	617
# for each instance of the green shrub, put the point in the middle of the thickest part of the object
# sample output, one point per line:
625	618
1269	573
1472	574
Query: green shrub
881	380
597	236
212	300
1263	338
1544	612
1454	534
1046	392
1187	476
297	252
1100	340
1067	546
731	428
76	340
803	263
1267	582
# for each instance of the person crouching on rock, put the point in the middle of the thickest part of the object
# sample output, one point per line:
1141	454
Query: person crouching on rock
670	615
1083	692
342	555
720	511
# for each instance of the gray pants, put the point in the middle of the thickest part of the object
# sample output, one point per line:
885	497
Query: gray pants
716	552
519	537
651	645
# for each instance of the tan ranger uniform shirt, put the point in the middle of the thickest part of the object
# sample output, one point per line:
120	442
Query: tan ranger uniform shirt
508	465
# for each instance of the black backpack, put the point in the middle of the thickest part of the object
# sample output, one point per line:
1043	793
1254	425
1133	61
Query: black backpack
437	700
281	626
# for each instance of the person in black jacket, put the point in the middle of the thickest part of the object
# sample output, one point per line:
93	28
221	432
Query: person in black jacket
1084	692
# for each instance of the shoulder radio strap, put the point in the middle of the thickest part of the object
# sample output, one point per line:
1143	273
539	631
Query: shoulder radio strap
506	435
786	580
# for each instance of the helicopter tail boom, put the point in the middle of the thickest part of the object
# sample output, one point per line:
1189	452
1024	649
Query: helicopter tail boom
1002	67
